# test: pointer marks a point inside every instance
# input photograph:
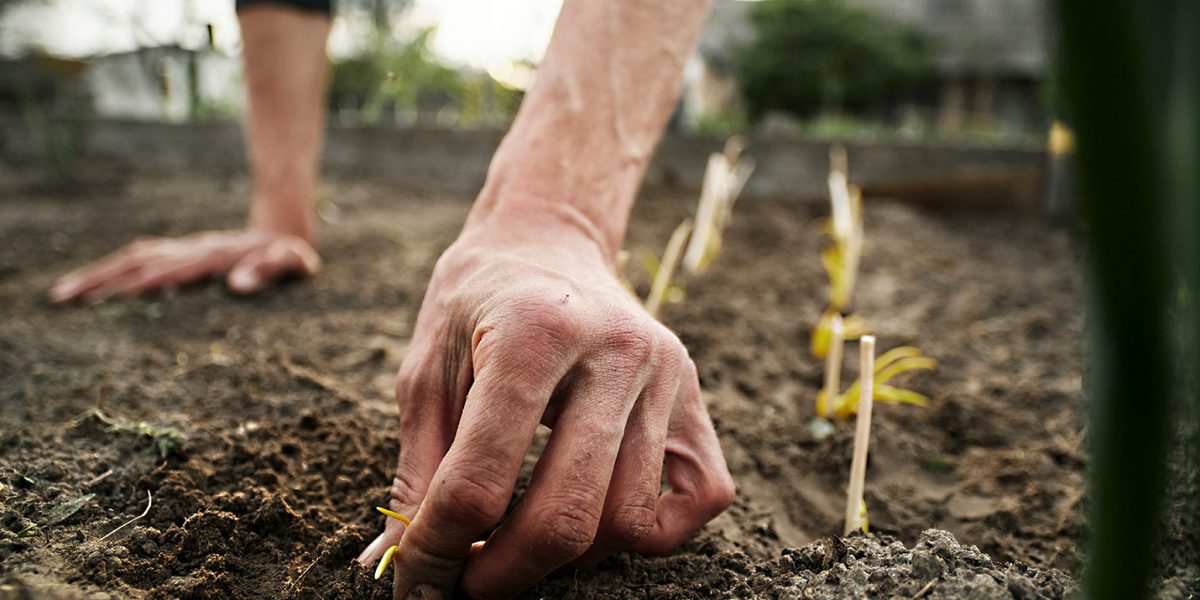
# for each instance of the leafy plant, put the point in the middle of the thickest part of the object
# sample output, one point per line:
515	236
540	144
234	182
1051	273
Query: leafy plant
164	440
812	55
888	366
409	77
666	267
853	327
724	178
841	257
675	292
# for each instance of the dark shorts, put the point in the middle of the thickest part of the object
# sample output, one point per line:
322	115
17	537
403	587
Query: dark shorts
322	6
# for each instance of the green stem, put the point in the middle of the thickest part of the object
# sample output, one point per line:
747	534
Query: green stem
1115	61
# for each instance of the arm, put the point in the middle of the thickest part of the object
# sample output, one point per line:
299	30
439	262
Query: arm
525	322
285	70
587	130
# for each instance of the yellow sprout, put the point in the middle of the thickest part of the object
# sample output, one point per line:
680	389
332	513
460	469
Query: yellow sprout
724	178
862	517
853	327
889	365
841	257
395	515
385	561
845	230
391	552
666	268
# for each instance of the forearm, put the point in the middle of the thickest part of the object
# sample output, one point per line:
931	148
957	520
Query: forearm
285	67
586	131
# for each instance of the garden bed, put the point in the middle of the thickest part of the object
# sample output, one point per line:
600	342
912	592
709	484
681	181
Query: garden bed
290	432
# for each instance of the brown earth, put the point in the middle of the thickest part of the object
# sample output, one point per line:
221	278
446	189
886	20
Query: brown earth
290	432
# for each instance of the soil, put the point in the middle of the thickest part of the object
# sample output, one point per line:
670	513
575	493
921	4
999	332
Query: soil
290	434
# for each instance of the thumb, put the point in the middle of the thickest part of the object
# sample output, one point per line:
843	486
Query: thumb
261	267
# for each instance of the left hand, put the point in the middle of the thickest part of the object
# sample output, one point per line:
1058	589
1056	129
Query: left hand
252	258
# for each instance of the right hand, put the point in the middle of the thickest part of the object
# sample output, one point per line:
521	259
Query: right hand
252	260
524	322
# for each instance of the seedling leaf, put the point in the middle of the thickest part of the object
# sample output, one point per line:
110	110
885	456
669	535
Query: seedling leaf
890	364
63	511
895	395
853	327
822	403
903	366
666	268
835	268
894	355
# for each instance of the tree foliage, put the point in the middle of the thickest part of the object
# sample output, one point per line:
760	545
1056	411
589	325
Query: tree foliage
809	56
410	78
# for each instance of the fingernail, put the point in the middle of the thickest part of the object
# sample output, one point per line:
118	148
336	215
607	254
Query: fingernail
424	592
60	292
244	280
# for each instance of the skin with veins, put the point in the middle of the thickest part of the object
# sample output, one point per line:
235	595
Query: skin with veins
611	78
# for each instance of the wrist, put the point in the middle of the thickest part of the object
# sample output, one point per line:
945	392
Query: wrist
284	216
541	206
542	224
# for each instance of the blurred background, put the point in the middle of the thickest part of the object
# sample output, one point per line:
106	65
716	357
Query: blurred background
929	74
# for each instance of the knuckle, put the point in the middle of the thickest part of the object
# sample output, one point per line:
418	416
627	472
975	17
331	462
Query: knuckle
406	488
674	358
633	521
719	495
476	498
569	524
534	332
689	367
630	338
550	320
568	531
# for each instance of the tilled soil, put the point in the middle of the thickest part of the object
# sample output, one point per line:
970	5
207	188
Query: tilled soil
290	433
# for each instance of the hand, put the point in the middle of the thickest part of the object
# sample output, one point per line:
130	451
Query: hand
253	260
525	322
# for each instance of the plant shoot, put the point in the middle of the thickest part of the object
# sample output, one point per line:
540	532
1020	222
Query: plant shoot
724	179
891	364
390	554
833	367
666	267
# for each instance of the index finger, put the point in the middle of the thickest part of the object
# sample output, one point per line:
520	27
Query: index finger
93	275
516	374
